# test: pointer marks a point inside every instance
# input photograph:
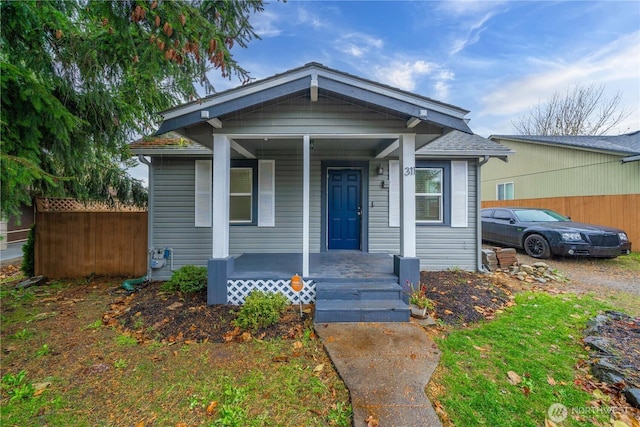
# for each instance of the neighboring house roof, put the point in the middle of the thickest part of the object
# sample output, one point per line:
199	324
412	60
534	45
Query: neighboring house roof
627	145
314	78
460	143
167	144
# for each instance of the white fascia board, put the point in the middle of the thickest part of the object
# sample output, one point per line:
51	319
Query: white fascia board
463	154
235	93
309	72
416	100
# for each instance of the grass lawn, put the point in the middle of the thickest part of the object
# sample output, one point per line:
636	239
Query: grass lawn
509	371
62	367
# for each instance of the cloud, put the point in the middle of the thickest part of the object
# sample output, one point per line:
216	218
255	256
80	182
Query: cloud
473	34
264	24
358	44
616	65
467	7
307	17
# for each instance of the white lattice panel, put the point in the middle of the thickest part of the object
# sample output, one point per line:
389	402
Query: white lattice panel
238	290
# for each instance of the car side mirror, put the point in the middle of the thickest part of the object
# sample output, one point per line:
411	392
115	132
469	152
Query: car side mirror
512	221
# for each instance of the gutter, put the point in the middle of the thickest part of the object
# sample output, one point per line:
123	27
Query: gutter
630	159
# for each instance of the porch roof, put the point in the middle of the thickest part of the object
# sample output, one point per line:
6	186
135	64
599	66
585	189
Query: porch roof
313	80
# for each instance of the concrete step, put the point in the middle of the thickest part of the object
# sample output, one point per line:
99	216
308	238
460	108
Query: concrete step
358	291
328	311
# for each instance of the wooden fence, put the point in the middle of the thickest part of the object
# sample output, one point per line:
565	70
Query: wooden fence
77	244
620	211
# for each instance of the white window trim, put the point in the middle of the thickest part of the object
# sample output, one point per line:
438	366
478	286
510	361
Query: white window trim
440	195
250	194
505	184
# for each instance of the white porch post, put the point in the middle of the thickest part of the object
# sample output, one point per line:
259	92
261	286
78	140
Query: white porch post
306	159
407	195
221	178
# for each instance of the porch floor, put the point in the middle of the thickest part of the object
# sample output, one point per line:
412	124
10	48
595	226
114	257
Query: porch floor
325	265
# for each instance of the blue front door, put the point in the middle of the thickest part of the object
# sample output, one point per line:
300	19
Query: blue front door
345	209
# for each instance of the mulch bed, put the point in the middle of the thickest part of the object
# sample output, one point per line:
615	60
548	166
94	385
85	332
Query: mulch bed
462	297
152	314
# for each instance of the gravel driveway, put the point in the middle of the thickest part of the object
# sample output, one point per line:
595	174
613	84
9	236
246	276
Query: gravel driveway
590	274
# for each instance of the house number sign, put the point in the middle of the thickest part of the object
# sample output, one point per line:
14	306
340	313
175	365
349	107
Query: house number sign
409	171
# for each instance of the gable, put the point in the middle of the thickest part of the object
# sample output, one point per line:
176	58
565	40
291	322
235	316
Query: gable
311	83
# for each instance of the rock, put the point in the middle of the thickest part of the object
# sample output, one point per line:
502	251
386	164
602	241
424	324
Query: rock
526	268
633	396
540	265
541	280
599	344
607	372
596	324
33	281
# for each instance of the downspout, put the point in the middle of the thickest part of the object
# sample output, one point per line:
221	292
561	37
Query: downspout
484	160
143	159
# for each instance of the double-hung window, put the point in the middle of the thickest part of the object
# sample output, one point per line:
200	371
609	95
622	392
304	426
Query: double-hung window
241	195
251	193
505	191
429	194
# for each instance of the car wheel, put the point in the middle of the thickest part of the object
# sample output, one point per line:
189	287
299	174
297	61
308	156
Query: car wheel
536	246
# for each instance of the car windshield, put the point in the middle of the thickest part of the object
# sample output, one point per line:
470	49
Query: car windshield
538	215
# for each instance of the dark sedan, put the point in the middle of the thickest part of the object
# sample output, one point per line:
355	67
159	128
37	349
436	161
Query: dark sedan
542	233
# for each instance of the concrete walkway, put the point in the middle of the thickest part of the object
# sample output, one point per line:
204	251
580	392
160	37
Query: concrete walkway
386	367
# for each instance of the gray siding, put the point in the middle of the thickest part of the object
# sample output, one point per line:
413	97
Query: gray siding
174	215
442	247
382	238
298	116
439	247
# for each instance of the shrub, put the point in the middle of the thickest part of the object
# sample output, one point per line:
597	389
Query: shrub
187	279
261	310
28	253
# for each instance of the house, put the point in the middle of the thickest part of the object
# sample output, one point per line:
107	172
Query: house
593	179
347	182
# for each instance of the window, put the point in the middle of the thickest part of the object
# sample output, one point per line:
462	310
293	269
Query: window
241	195
505	191
247	196
429	202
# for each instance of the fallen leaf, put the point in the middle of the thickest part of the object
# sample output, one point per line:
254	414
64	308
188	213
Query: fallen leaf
618	423
140	424
448	312
211	409
480	348
514	378
297	345
318	368
371	422
551	380
549	423
40	387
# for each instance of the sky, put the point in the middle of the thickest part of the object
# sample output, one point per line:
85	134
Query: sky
496	59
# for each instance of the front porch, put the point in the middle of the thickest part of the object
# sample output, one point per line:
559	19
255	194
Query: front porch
325	266
346	286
